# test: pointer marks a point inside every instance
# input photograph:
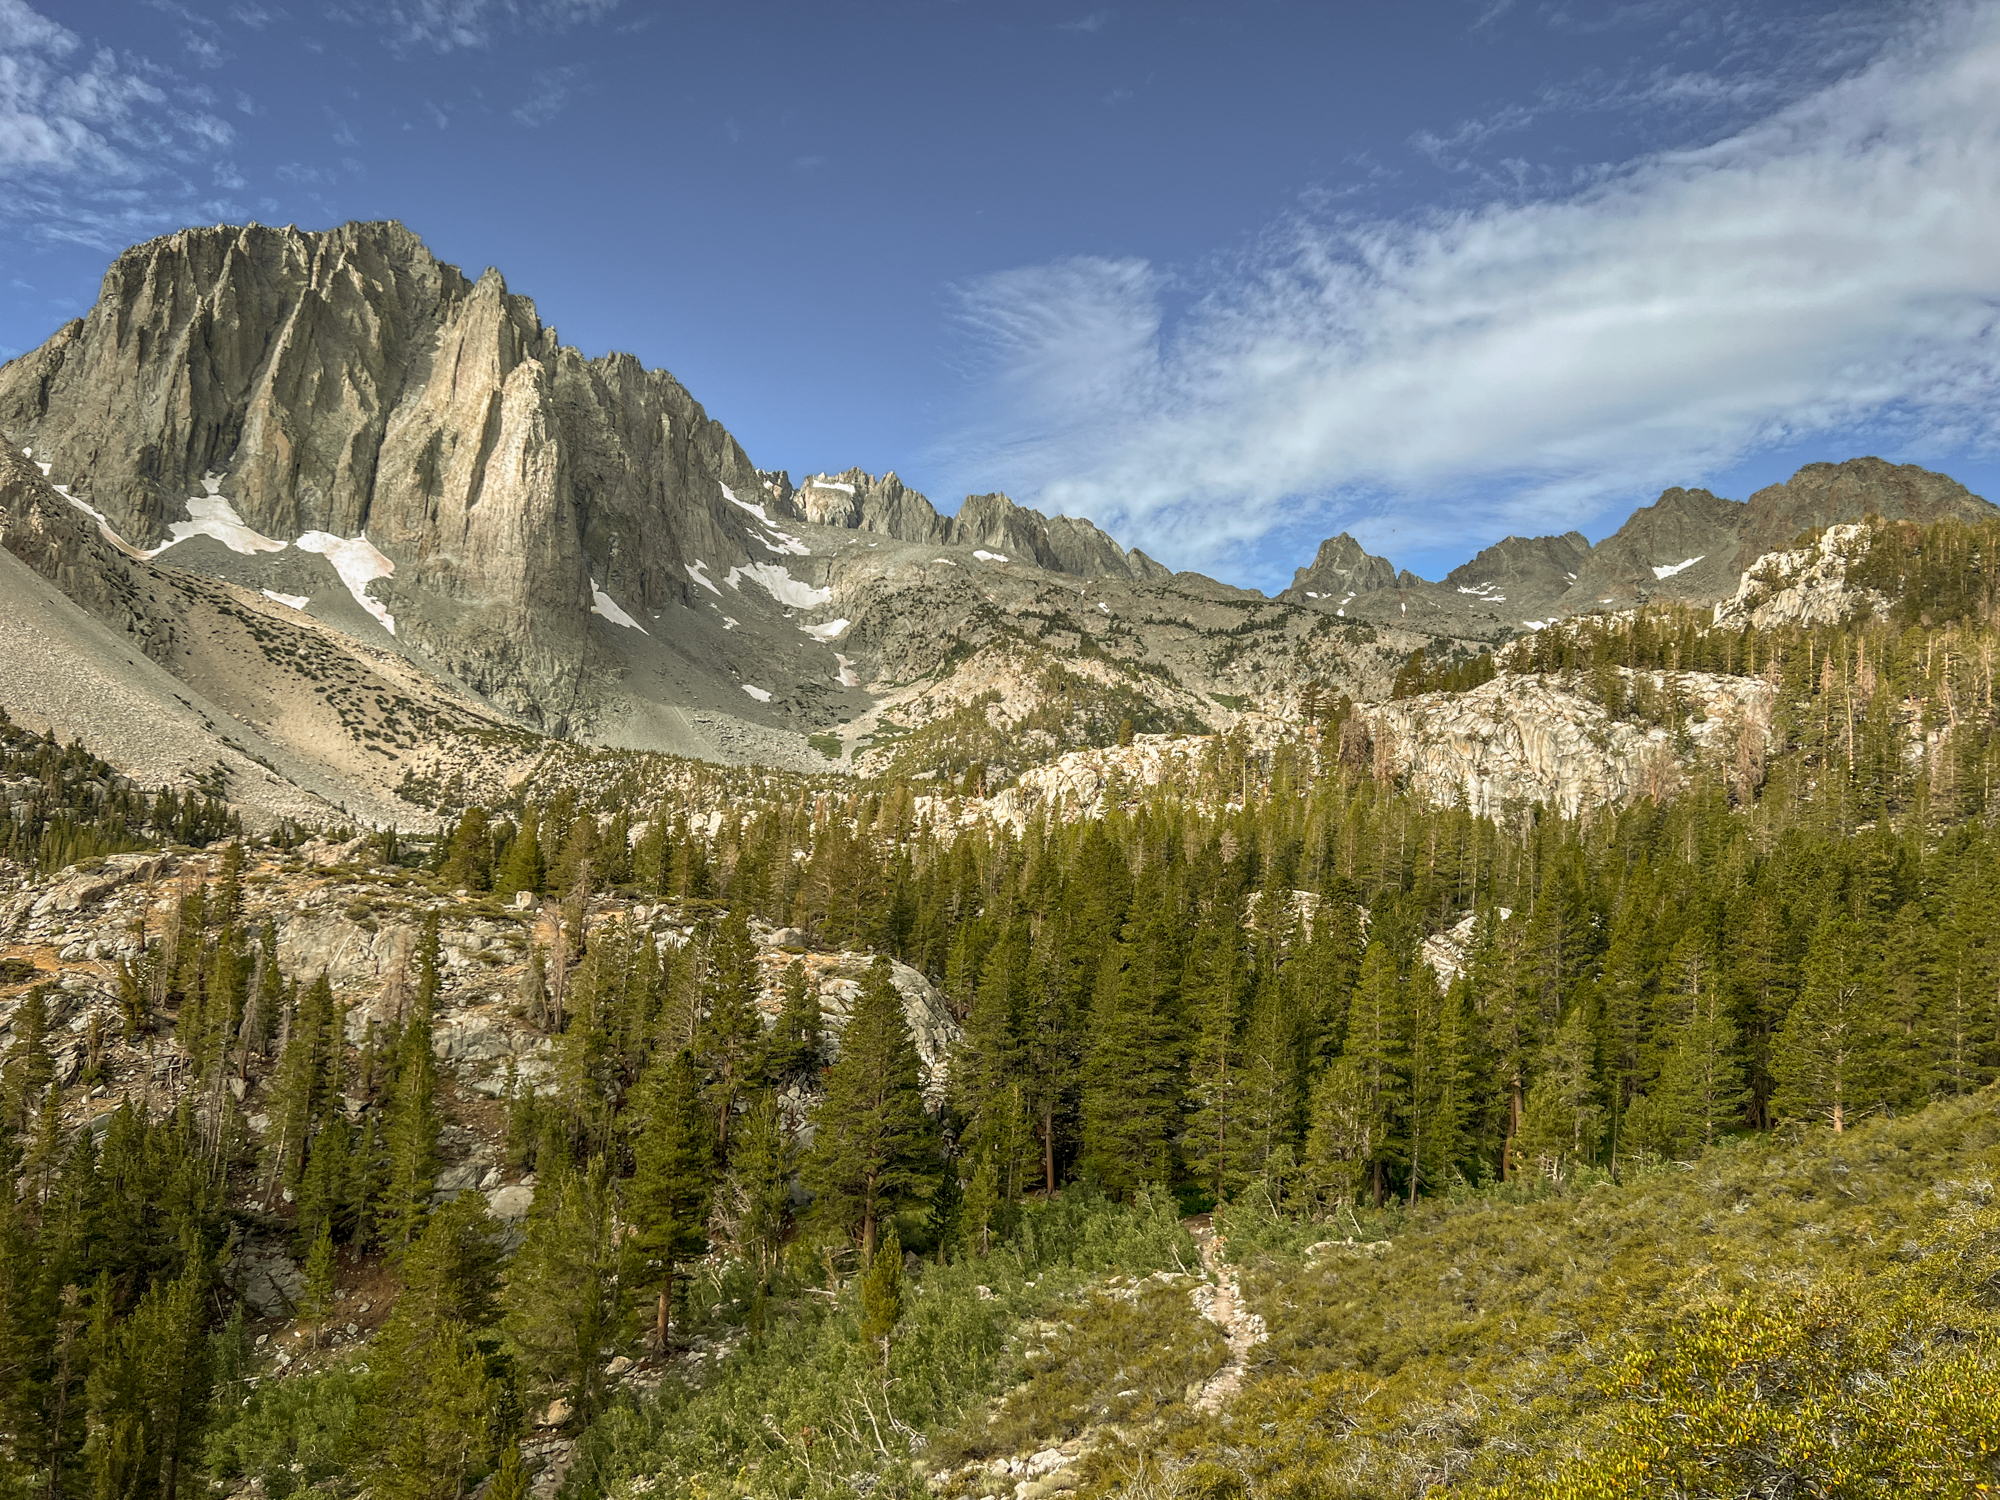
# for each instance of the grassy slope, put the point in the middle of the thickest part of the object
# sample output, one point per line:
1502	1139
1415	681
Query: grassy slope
1531	1345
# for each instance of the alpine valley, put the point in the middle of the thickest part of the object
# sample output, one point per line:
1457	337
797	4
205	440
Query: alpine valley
538	957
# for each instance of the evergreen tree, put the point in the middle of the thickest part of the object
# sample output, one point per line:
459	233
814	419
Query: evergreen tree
1439	1032
1132	1079
562	1297
303	1085
430	1425
986	1069
731	1037
758	1192
882	1295
1700	1087
510	1476
316	1300
1051	1033
25	1076
1828	1056
667	1201
521	868
1563	1123
792	1046
1377	1052
1214	1143
412	1120
873	1147
468	853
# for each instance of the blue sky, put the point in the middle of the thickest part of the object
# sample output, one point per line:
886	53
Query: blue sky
1226	278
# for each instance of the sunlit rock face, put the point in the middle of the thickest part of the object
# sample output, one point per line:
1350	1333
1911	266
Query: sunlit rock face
350	384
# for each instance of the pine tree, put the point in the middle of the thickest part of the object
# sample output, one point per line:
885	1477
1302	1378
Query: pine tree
882	1295
562	1297
873	1146
316	1300
1827	1058
987	1066
300	1088
731	1037
25	1076
1214	1143
792	1046
1343	1141
758	1192
521	868
668	1198
1563	1122
430	1424
412	1120
1132	1079
1051	1036
510	1476
1700	1087
1376	1050
1439	1034
468	853
982	1198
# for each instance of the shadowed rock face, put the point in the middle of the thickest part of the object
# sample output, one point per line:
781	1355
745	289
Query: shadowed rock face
1340	568
1822	495
856	500
349	382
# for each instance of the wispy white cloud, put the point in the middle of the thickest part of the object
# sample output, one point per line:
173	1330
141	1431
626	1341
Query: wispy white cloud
459	25
1096	21
1529	359
64	109
552	90
92	148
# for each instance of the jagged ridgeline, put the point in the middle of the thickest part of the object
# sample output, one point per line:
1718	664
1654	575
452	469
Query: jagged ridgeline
320	509
1224	1115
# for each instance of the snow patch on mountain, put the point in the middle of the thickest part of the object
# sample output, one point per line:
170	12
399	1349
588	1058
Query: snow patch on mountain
359	564
212	516
780	585
603	604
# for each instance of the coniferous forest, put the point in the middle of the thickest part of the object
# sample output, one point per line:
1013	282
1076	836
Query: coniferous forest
1648	1150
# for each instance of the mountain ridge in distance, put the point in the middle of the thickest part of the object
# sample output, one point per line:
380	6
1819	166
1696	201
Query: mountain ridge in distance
351	440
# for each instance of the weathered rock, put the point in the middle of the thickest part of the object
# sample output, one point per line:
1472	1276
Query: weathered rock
1807	586
266	1277
1522	739
510	1204
351	384
1340	570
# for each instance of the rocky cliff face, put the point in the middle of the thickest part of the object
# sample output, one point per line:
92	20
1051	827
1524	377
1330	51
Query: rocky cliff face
1821	495
1682	546
1520	739
1805	585
339	386
1340	570
859	501
1527	573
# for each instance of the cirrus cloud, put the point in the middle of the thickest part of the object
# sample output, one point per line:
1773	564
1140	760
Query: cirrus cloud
1525	361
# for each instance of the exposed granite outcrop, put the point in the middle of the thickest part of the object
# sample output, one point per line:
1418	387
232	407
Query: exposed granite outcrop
1804	586
1521	739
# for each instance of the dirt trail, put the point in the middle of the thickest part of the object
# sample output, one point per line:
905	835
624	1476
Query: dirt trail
1220	1300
